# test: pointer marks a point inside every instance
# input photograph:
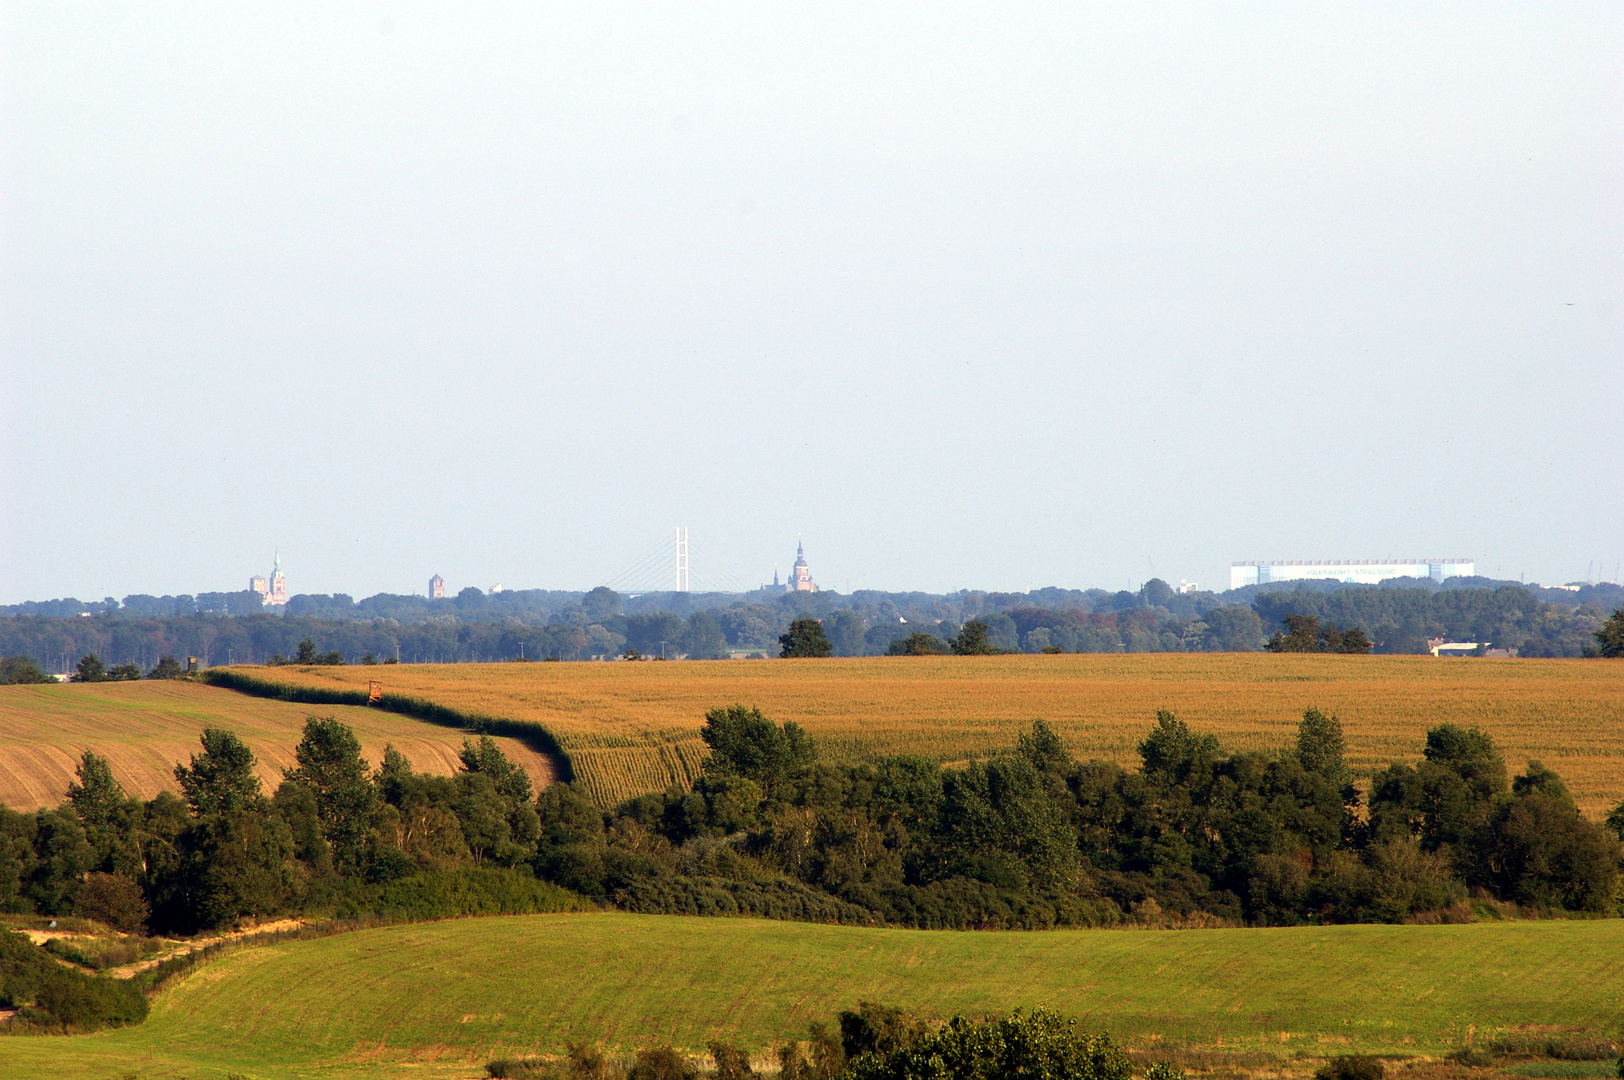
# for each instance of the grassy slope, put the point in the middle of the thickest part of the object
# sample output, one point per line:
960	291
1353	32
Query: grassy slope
144	728
633	727
442	997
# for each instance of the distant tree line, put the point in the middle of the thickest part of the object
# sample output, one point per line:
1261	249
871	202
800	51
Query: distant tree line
1402	620
604	625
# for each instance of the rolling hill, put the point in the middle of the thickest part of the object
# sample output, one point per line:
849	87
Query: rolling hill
438	999
144	728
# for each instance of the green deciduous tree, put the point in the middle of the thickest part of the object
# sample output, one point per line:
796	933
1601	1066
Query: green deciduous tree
702	637
114	900
1610	638
108	815
240	864
1043	748
601	603
487	759
745	743
846	631
166	668
1174	753
1320	746
1040	1045
998	824
96	797
330	765
732	1062
972	640
661	1063
805	638
90	669
1350	1067
1537	850
220	780
1232	628
62	857
1353	641
918	643
1615	821
16	670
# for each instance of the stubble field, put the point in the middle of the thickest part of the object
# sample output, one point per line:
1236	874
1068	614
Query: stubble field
144	728
629	728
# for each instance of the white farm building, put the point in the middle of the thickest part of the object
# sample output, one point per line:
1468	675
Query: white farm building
1352	571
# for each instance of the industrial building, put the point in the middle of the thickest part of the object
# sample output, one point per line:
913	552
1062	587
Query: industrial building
1351	571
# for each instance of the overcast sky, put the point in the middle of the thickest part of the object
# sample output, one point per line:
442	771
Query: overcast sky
968	296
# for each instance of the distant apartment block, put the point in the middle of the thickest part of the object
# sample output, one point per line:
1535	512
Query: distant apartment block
1351	571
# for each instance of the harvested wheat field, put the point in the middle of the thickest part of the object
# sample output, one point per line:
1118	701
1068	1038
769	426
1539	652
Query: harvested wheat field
144	728
629	728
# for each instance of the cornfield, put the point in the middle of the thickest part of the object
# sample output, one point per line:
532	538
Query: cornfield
630	728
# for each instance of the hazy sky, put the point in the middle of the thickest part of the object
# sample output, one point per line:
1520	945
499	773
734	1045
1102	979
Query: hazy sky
969	296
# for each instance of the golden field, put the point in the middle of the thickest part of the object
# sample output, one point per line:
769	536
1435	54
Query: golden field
629	728
144	728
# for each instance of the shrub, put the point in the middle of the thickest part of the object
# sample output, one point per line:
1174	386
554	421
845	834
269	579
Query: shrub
661	1063
1040	1045
732	1063
113	900
443	894
586	1062
1564	1047
1350	1067
917	643
878	1029
49	996
526	1068
101	954
1472	1057
21	669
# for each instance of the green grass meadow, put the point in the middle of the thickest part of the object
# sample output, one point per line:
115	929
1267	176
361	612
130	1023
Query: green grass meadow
438	999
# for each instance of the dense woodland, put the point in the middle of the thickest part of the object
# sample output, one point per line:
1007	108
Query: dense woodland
601	624
1029	838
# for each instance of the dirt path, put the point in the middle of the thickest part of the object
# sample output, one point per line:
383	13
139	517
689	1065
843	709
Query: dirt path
186	948
172	947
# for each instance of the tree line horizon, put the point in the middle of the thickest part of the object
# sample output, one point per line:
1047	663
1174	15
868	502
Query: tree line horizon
601	624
